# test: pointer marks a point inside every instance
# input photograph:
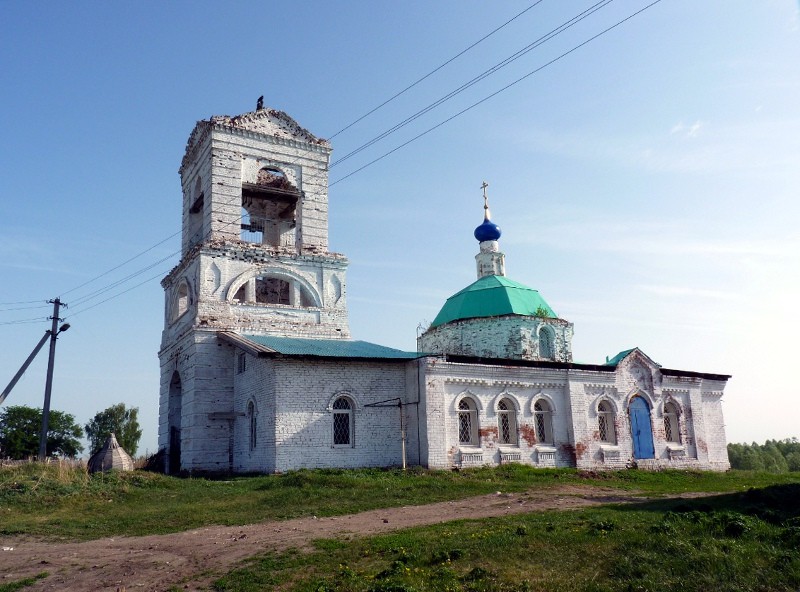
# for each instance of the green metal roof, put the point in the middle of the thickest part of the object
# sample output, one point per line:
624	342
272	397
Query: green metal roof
328	348
619	357
493	296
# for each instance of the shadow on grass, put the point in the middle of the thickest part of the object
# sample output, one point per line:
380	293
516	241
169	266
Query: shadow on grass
775	504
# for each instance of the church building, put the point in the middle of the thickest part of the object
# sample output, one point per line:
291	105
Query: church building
259	372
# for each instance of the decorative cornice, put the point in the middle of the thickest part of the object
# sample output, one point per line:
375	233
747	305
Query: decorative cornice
504	383
674	390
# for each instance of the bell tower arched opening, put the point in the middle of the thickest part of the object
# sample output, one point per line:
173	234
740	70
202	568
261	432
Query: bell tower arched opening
269	209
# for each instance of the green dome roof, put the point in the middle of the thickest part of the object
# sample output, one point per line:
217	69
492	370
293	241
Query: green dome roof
493	296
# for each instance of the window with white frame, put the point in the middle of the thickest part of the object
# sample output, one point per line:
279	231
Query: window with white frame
605	423
467	422
251	419
342	422
671	425
543	415
507	422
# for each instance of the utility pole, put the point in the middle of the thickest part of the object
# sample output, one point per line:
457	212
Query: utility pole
54	331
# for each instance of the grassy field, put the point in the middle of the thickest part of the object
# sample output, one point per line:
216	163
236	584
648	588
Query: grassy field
745	538
731	542
64	501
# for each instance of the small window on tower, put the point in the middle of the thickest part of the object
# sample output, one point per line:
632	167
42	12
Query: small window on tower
181	301
241	363
546	344
196	207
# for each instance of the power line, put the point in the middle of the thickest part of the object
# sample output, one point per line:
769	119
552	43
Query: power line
105	273
82	300
494	94
25	321
92	295
25	307
113	285
150	279
432	72
485	74
22	302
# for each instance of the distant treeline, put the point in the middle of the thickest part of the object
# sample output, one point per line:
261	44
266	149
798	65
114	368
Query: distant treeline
775	456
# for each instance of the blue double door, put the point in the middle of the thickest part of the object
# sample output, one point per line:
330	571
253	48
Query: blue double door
641	429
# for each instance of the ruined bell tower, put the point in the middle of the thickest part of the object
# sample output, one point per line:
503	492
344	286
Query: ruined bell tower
254	260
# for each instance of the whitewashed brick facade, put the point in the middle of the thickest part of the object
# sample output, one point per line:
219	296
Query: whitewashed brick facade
483	393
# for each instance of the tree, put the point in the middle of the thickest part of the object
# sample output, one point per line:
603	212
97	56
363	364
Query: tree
20	428
122	422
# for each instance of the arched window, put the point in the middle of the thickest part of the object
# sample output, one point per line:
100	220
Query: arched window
543	415
507	422
467	422
546	344
251	417
605	423
181	301
342	422
671	425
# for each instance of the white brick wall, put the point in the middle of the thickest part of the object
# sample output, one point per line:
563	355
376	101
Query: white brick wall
510	337
295	424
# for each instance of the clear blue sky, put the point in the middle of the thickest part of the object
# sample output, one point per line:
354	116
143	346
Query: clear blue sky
647	183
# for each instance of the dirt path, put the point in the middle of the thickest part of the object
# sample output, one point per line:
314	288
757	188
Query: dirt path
191	560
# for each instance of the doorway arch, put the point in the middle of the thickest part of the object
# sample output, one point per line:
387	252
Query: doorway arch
641	428
174	420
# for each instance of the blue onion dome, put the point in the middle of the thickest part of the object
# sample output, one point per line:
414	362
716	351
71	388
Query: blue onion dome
488	231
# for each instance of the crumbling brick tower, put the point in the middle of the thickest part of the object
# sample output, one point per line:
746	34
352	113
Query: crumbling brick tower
254	259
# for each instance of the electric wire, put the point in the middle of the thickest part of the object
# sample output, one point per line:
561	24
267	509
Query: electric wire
107	288
485	74
117	295
20	302
25	307
435	70
113	285
494	94
91	296
105	273
25	321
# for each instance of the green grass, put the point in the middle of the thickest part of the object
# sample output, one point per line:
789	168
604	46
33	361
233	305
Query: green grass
731	542
24	583
63	501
